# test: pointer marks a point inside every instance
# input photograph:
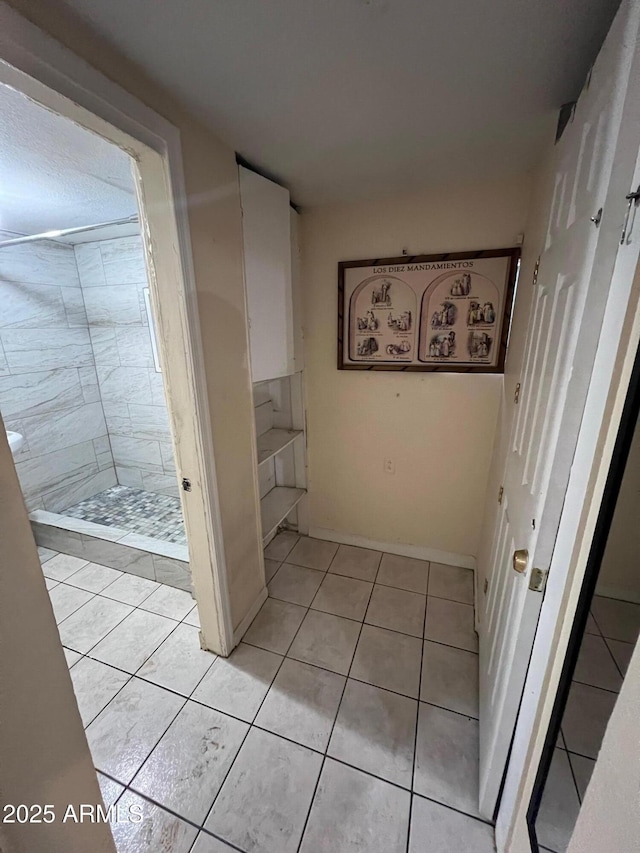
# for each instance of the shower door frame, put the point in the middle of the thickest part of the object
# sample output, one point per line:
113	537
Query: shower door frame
48	73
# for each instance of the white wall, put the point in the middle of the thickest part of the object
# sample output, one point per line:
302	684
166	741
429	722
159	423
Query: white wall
437	428
620	569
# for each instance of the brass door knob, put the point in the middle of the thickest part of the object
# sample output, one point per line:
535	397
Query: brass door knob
520	560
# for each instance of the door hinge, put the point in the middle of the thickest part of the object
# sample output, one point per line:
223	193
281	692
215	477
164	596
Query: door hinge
186	484
500	494
535	273
486	585
633	198
516	395
538	579
597	218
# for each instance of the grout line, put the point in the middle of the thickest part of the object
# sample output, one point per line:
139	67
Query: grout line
573	776
613	658
415	737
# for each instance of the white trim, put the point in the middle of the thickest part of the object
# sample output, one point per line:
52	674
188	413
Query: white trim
34	63
418	552
620	593
243	627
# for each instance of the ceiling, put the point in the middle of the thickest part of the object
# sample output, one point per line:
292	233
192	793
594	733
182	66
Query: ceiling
349	99
54	174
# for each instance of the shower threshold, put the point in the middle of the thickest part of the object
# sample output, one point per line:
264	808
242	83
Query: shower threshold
130	541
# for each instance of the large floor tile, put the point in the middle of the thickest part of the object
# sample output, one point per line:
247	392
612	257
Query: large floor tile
168	601
281	546
295	584
397	609
270	569
157	832
238	684
302	704
617	620
93	577
51	584
71	657
388	659
275	626
95	685
62	566
187	768
179	663
93	621
451	623
264	801
375	731
312	553
591	627
45	554
404	573
65	600
450	678
353	812
326	640
133	640
438	829
359	563
206	843
586	717
451	582
559	806
109	789
343	596
447	758
122	736
622	653
596	666
130	589
193	617
582	769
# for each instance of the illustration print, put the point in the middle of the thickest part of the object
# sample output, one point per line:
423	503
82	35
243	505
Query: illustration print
445	316
479	345
367	347
481	314
443	346
382	296
401	323
369	323
462	285
403	348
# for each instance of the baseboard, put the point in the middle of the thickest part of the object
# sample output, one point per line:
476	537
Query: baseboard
243	627
618	592
418	552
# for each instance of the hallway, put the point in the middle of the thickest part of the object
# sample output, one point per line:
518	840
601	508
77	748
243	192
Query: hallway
306	737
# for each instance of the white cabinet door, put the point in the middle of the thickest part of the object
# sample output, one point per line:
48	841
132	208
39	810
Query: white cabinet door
296	285
267	259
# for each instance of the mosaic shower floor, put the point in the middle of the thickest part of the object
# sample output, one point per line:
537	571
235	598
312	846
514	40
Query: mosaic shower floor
158	516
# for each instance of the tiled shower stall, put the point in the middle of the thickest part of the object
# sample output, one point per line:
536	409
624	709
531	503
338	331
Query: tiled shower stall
80	381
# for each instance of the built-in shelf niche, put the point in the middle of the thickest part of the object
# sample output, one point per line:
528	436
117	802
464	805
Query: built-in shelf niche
279	413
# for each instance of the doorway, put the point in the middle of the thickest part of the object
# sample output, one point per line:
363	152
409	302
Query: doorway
154	159
603	636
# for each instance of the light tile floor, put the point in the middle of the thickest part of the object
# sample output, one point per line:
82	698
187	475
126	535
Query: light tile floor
608	642
345	721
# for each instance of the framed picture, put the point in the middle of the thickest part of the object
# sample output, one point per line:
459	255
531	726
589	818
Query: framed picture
448	312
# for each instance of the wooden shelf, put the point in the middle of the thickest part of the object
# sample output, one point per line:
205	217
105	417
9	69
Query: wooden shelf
276	505
273	441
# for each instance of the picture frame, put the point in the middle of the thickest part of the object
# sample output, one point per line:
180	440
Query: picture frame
447	312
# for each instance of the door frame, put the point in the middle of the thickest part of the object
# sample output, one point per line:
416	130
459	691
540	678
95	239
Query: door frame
608	392
41	68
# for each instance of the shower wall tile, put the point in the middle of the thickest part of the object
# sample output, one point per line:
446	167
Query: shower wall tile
4	367
125	385
60	467
149	422
89	382
73	301
64	428
113	277
105	347
114	305
161	484
26	350
101	444
134	346
136	452
89	263
57	500
44	262
31	306
39	393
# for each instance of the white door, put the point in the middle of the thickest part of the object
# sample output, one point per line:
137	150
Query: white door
574	274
